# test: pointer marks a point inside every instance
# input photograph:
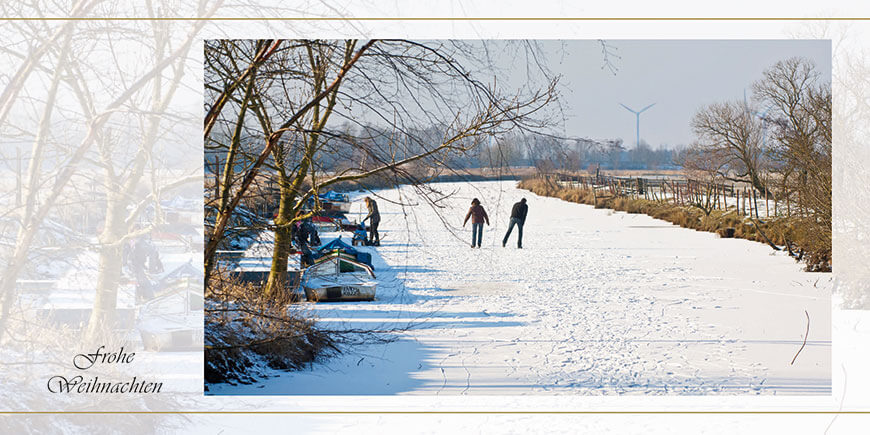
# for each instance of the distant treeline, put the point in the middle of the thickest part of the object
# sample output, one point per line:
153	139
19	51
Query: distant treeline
510	149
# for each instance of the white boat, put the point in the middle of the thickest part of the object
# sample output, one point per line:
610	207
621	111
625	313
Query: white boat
338	277
172	321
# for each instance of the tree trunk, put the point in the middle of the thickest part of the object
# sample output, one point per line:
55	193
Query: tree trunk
281	251
103	314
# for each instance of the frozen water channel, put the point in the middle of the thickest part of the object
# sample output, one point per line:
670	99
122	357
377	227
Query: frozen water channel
598	302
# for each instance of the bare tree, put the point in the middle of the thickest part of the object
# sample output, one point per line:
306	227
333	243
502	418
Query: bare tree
731	132
101	120
801	115
412	103
272	139
704	163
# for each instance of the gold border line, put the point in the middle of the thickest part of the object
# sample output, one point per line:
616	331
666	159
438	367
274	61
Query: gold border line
436	19
442	412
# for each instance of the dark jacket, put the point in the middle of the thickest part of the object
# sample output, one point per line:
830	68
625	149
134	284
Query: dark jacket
519	211
477	215
374	215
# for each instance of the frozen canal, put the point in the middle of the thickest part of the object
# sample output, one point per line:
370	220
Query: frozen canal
597	303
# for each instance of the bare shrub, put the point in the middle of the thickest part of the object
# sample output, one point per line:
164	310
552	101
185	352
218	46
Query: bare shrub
246	332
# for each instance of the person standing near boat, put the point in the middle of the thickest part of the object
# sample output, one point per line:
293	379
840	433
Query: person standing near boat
518	218
374	218
478	217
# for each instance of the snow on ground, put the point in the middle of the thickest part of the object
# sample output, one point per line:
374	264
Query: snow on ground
597	303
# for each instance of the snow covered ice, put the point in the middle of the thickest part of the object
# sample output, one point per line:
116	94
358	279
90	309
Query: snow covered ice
596	303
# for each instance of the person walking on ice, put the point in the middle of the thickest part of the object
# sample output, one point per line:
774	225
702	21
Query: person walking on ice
374	218
478	217
518	218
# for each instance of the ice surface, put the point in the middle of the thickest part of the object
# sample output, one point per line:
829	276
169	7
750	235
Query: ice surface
597	303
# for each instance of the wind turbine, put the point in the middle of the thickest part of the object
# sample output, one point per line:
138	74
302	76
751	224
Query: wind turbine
637	113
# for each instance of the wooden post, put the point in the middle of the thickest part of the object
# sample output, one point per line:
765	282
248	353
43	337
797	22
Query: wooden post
715	191
737	194
755	198
745	208
745	198
725	197
752	192
774	206
745	194
688	196
690	192
751	205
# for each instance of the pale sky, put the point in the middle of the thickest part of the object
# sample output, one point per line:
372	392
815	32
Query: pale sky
680	76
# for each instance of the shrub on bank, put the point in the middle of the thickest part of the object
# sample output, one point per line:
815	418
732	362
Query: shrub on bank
246	333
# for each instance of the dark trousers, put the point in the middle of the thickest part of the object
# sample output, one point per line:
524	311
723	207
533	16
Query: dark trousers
519	223
374	236
476	234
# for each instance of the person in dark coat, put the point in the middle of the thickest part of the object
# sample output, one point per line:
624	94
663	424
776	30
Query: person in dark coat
518	218
144	260
374	218
478	217
304	233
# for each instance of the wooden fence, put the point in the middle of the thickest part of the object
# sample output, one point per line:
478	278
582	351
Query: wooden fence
742	197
